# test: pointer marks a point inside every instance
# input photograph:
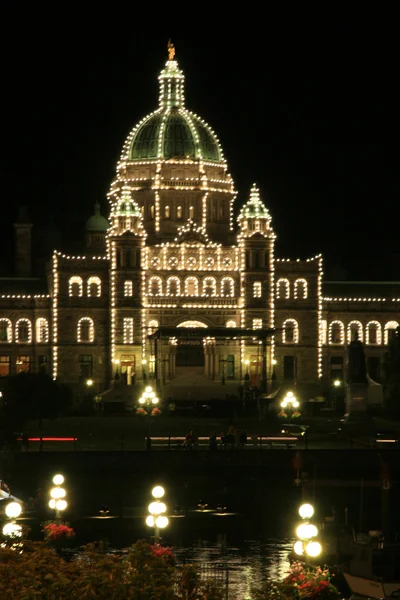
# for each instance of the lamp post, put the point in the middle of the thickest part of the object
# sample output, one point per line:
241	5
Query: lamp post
97	399
306	532
156	518
337	383
290	403
149	399
57	495
12	529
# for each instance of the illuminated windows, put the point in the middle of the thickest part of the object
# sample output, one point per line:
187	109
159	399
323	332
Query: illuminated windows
227	287
390	330
209	286
94	287
336	332
5	330
257	323
152	212
23	331
283	289
179	212
191	213
173	286
373	333
300	289
230	324
75	286
191	286
42	331
167	212
354	332
257	289
152	326
155	286
128	330
85	330
290	332
128	288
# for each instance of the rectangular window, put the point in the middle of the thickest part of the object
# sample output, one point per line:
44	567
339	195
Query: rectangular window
128	331
257	323
257	289
230	366
167	212
86	366
289	368
179	212
374	367
128	288
5	363
23	364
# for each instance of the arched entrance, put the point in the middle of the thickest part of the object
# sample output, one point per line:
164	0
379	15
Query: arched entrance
190	352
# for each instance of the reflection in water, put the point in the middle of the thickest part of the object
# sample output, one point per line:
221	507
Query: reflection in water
248	564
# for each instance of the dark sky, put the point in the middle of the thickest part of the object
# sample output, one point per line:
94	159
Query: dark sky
308	110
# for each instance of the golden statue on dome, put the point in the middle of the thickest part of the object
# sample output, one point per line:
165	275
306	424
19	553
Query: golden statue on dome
171	50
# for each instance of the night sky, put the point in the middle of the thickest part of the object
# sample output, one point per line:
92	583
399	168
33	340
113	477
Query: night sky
307	111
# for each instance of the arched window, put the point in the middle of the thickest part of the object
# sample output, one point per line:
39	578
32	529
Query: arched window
257	289
75	286
290	332
155	286
373	333
283	288
227	287
191	286
390	330
354	332
323	332
167	212
300	289
152	211
336	332
173	286
23	331
5	330
94	287
209	286
230	324
191	212
85	330
128	288
152	326
42	331
179	212
128	330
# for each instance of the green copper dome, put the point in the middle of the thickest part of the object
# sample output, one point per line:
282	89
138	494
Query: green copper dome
97	222
172	131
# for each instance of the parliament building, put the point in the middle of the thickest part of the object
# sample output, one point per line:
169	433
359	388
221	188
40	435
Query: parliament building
177	286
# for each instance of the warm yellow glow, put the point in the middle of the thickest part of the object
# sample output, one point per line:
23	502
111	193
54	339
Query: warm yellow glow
313	549
306	531
58	479
158	491
13	510
306	511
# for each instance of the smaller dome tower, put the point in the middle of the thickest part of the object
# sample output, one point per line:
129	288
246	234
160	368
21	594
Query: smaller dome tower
96	230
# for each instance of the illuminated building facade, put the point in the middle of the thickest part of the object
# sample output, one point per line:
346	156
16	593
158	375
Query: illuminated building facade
172	254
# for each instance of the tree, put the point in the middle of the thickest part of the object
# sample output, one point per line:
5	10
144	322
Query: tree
31	396
391	372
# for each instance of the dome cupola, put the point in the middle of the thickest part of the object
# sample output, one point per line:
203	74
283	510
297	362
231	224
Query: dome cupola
125	214
254	216
97	222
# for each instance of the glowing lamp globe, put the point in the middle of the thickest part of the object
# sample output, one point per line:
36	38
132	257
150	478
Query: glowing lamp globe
306	511
13	510
298	548
12	530
150	521
58	479
158	491
306	531
61	504
157	508
142	400
57	492
149	389
313	549
154	400
52	503
161	521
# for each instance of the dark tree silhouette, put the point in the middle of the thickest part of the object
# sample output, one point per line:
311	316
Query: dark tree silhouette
31	396
391	373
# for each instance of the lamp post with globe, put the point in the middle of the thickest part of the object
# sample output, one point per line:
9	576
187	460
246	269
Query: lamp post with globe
57	495
157	518
290	404
12	530
307	544
150	401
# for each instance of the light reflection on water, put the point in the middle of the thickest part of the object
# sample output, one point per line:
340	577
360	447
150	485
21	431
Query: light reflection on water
249	564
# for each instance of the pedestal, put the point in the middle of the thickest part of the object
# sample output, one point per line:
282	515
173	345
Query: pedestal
356	397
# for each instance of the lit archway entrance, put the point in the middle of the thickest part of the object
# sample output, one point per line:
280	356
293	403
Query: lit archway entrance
190	352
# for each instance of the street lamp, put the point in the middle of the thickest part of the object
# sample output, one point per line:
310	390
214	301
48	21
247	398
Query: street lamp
12	529
156	518
57	495
290	403
306	532
149	399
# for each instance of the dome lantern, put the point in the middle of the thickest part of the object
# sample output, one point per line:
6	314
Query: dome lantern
254	216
